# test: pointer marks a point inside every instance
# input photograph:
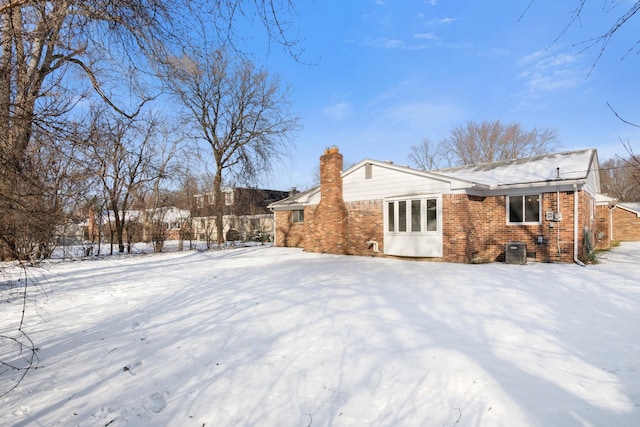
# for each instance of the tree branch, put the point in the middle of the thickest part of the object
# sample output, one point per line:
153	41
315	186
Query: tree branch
105	98
620	117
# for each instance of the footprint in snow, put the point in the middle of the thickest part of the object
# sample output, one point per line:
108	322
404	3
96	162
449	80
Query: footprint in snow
133	368
156	402
23	410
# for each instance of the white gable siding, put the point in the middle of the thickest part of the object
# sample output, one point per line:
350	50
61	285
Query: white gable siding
591	185
387	182
314	199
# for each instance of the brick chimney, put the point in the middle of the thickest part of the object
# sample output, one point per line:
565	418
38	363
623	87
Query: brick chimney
329	223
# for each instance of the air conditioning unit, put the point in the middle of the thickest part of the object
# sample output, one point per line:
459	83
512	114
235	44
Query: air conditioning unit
515	253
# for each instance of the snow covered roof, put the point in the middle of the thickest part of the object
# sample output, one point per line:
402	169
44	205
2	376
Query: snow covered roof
632	207
294	201
603	199
573	165
171	214
166	214
561	169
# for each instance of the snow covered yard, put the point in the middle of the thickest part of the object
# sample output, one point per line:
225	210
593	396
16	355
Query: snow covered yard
267	336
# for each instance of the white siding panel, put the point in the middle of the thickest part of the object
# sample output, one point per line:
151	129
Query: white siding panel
591	185
388	183
413	246
314	199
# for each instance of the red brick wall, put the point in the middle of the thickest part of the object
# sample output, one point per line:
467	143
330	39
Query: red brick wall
460	226
602	227
365	223
586	224
626	225
289	234
475	229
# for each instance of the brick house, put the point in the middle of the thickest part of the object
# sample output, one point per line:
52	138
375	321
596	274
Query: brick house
246	215
464	214
141	225
603	227
626	222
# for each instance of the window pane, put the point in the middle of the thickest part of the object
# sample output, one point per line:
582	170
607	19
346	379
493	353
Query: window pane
391	216
415	215
515	209
297	216
432	215
402	216
532	208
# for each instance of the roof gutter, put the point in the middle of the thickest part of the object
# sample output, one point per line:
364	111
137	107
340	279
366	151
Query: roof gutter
544	186
289	207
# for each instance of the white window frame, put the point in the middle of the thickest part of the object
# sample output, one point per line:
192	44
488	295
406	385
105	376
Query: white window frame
524	222
228	198
395	202
295	219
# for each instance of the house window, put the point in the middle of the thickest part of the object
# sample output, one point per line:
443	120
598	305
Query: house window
412	216
402	216
228	198
416	218
297	216
524	209
432	215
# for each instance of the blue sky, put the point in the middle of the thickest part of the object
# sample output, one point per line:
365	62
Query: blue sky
378	76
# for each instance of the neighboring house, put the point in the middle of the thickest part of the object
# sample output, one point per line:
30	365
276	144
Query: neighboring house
143	225
626	222
603	228
246	215
173	223
465	214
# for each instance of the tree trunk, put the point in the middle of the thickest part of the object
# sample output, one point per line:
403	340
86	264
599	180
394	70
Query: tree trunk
218	203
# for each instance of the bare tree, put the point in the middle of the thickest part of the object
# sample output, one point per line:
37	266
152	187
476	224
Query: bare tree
53	54
41	41
426	155
121	153
39	196
43	47
625	13
165	166
239	110
487	141
620	178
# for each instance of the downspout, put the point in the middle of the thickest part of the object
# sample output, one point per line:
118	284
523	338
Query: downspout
275	229
575	226
558	228
611	237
